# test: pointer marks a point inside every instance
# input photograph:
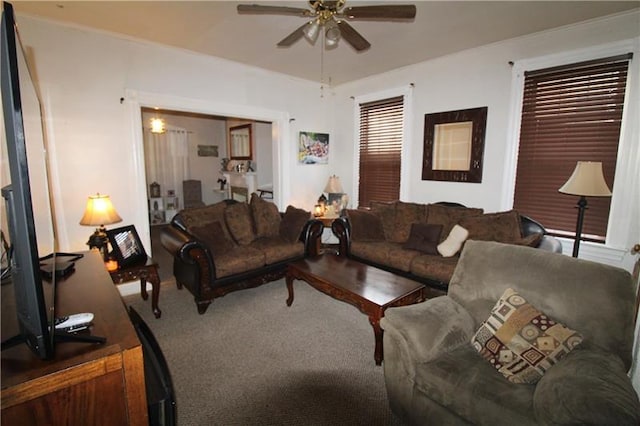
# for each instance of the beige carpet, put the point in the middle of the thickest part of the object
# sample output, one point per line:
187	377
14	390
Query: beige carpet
251	360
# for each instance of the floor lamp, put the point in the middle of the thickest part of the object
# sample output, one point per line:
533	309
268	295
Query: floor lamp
587	180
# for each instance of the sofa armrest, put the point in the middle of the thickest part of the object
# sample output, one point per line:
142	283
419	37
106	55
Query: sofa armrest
588	386
341	228
189	252
429	329
311	236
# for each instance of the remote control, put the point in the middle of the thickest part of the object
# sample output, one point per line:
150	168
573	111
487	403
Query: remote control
74	322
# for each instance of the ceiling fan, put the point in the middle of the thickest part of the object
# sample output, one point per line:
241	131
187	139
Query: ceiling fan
332	16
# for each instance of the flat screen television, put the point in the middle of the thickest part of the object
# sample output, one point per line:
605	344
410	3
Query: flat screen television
29	235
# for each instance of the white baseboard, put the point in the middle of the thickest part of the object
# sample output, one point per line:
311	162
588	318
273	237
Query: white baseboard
133	287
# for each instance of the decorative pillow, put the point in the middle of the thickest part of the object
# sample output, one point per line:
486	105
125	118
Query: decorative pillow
424	237
266	217
386	211
503	227
453	243
238	219
520	341
292	223
365	226
213	237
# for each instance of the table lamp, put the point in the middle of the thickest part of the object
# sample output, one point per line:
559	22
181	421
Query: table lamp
99	212
587	180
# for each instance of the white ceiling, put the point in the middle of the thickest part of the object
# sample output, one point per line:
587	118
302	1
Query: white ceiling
215	28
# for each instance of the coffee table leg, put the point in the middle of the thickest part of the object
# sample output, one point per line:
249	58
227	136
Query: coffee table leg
289	280
374	320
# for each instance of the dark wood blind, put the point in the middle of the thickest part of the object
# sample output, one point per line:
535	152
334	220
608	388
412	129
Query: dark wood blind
570	113
381	132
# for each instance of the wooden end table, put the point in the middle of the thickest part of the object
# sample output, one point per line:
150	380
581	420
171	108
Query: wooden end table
144	272
369	289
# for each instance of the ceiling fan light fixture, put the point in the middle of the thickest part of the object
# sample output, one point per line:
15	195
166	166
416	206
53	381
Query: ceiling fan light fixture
311	31
332	33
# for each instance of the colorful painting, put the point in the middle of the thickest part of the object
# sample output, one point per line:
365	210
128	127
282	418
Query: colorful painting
313	148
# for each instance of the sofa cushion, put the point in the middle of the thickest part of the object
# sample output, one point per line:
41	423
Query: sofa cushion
448	217
276	249
374	251
453	243
239	222
434	267
386	211
293	223
406	214
588	387
365	226
200	216
521	342
424	237
238	260
503	227
266	217
212	236
464	383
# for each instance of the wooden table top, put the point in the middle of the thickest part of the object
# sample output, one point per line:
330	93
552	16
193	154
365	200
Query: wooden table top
376	285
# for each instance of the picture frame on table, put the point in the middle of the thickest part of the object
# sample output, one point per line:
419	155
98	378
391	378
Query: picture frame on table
126	245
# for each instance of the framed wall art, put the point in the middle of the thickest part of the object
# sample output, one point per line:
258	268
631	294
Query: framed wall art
454	145
313	148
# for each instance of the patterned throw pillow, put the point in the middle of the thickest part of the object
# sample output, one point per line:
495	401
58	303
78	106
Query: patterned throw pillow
520	341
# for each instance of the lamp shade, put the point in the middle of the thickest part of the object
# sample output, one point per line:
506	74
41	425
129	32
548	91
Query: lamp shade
333	185
99	211
587	180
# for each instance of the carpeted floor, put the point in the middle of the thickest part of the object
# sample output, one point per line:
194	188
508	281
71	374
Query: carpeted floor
251	360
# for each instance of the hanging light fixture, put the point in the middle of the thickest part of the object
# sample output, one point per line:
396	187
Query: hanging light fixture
332	34
157	125
312	30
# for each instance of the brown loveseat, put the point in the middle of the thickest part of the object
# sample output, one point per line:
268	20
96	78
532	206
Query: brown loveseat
230	245
404	237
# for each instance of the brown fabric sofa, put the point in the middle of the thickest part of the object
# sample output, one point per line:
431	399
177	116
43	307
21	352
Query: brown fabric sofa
435	376
230	245
395	236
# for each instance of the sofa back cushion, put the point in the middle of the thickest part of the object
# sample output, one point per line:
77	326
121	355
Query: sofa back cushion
503	227
366	226
266	217
594	299
239	222
397	218
448	217
201	216
213	237
293	223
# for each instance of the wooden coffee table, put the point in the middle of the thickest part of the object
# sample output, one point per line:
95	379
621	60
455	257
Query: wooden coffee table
369	289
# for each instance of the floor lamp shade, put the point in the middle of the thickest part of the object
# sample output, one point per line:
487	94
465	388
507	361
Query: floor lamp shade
587	180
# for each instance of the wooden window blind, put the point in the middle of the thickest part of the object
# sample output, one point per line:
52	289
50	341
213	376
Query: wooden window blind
569	113
381	134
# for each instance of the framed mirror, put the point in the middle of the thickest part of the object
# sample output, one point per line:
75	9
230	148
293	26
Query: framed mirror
240	141
454	145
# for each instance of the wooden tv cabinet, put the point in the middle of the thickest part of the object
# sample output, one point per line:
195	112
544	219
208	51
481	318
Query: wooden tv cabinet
85	384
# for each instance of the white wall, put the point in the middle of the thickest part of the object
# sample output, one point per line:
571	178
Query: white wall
85	75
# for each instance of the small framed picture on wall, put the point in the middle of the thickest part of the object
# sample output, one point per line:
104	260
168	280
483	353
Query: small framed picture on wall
313	148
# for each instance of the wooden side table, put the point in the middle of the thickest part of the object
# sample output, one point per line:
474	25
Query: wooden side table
143	272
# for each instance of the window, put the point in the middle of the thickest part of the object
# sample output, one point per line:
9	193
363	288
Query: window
381	134
569	113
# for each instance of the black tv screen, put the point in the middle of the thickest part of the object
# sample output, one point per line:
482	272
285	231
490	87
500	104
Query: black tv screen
27	192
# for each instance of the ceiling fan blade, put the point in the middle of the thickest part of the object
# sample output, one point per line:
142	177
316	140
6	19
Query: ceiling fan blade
380	12
272	10
352	36
293	37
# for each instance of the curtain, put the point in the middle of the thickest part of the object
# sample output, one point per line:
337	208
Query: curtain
166	158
